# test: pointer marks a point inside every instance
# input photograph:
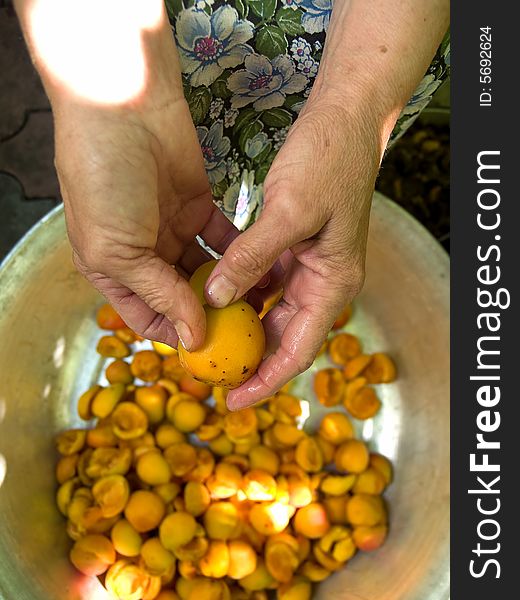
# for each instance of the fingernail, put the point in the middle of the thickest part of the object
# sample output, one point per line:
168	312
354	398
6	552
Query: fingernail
184	333
221	291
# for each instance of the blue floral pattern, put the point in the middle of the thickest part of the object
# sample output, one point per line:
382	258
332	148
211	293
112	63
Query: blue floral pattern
248	68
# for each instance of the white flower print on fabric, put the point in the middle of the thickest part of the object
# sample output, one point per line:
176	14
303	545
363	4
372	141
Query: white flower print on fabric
279	136
294	4
422	95
230	116
201	4
317	15
209	44
215	108
215	147
233	169
256	145
309	67
265	83
300	49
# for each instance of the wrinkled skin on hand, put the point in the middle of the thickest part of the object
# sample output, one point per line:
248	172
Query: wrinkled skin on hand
317	203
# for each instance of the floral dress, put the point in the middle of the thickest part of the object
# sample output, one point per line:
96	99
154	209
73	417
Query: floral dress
248	67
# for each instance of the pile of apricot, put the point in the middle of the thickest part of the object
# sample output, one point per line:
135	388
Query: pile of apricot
168	495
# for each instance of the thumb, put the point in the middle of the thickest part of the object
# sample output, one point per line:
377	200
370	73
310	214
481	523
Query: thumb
252	254
167	293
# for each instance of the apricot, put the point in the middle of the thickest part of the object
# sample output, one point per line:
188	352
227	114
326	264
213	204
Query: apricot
108	318
259	579
199	278
144	510
225	481
181	458
111	494
221	520
196	498
66	467
364	404
270	517
172	368
381	369
108	461
163	349
92	554
167	595
329	386
264	419
343	317
363	509
327	448
166	435
198	389
127	581
311	521
125	539
308	455
215	563
355	367
146	365
343	347
240	424
71	441
336	428
261	457
297	589
156	559
287	435
127	335
313	571
259	485
221	445
338	544
352	456
204	466
281	561
129	421
232	350
111	347
153	469
209	590
177	529
85	402
106	400
192	551
211	428
188	415
102	436
167	491
242	559
152	400
383	465
336	507
370	481
119	372
368	538
337	485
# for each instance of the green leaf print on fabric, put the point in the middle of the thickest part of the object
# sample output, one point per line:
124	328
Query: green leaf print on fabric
245	117
173	7
271	41
290	21
248	132
242	8
219	87
277	117
199	100
263	8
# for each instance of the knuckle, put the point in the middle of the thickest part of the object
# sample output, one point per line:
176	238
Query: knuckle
246	260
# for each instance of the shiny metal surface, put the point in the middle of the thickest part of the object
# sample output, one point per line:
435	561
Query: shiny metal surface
47	358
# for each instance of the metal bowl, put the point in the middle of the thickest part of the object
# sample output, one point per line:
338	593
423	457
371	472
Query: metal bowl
47	358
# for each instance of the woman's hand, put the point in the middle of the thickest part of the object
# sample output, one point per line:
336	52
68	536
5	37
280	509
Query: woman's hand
317	199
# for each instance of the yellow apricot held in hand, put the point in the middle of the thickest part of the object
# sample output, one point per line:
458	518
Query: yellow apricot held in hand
153	469
156	559
311	521
221	520
144	510
129	421
215	563
164	349
363	509
127	581
111	494
177	529
270	518
232	350
368	539
200	276
242	559
126	540
92	554
352	456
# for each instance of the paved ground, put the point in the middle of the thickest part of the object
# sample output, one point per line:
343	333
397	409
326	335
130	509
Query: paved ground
28	183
